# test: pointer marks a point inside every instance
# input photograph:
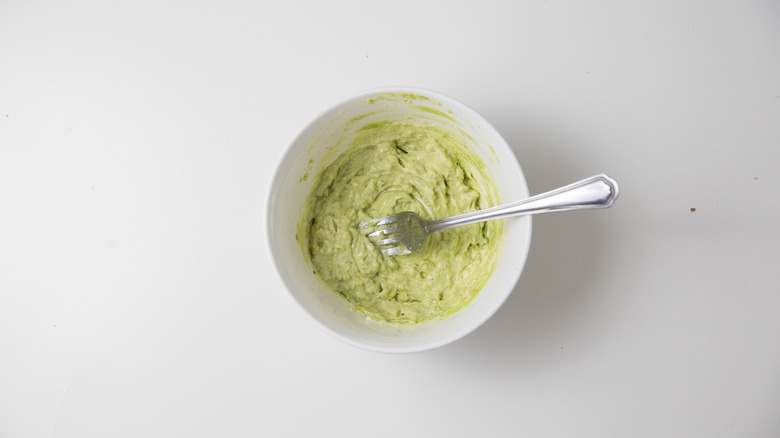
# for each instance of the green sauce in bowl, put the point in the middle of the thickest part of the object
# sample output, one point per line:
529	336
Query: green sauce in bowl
389	167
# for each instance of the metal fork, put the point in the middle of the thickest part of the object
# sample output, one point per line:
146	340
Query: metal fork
409	231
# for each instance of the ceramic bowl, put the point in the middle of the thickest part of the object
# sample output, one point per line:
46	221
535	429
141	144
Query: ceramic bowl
310	151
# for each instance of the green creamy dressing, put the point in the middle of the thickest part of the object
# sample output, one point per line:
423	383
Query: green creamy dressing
391	167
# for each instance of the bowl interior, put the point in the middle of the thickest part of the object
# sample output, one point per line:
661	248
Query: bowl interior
321	142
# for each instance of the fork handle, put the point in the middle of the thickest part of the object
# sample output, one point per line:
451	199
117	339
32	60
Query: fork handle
599	191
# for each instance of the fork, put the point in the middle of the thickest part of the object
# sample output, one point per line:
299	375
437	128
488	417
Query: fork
409	231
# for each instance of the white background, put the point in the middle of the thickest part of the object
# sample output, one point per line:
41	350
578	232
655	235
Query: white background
137	140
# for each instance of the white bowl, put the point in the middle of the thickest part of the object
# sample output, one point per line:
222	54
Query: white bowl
310	152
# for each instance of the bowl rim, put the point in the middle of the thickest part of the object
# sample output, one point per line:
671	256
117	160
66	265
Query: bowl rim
275	181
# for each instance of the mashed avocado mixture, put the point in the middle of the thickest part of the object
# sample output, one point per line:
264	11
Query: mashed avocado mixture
392	167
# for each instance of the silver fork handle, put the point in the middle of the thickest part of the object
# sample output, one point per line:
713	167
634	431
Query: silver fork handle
599	191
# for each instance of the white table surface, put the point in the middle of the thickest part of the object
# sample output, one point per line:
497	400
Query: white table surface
137	140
